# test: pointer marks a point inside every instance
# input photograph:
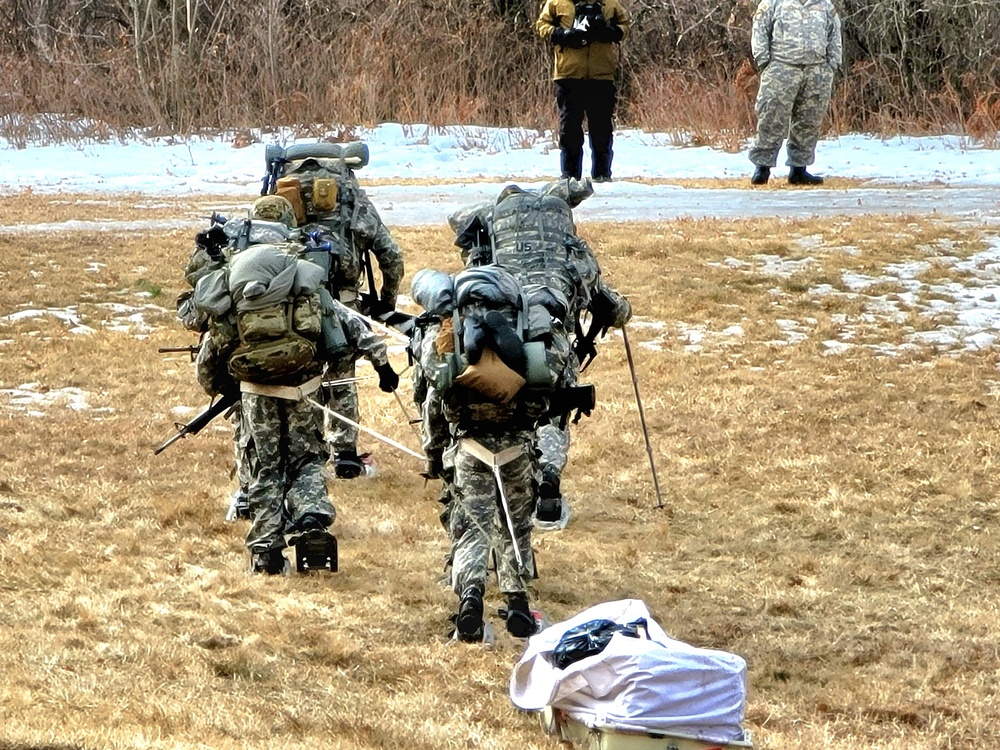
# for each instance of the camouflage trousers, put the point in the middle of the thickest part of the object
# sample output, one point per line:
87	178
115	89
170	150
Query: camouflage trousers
241	469
282	448
342	399
478	523
791	102
553	440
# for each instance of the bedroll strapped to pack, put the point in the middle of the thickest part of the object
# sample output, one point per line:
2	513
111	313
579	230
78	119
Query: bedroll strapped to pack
278	315
243	233
313	177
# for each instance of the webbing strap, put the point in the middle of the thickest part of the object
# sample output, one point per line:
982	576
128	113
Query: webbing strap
287	392
495	461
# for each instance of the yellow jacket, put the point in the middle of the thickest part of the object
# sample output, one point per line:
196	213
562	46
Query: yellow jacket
597	60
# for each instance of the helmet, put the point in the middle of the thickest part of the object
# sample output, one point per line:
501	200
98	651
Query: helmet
274	208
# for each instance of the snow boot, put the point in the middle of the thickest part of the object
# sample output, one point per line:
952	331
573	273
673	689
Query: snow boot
799	176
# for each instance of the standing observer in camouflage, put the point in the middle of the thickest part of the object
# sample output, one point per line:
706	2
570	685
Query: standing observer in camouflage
585	37
797	47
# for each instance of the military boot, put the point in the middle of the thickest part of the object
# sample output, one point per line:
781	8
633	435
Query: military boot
347	464
799	176
549	509
269	562
315	547
469	622
520	622
760	176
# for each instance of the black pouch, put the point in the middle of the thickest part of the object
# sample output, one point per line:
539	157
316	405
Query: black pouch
592	638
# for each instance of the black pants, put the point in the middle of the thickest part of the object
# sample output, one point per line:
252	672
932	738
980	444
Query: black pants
576	97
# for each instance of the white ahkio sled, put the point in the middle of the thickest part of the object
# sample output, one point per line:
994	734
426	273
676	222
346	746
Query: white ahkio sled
643	690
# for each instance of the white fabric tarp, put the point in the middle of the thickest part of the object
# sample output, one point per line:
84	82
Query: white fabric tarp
655	685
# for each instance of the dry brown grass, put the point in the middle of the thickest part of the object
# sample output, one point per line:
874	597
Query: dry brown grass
831	518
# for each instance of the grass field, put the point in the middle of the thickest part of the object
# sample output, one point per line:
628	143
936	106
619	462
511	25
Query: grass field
822	402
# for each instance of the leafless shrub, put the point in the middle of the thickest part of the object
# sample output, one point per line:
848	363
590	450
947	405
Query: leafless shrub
915	65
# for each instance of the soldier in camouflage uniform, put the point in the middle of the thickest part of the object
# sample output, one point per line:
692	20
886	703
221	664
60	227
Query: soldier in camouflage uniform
797	47
532	234
280	446
487	432
357	229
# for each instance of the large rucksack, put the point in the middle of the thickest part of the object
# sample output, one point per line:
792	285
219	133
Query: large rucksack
496	337
534	237
279	316
318	180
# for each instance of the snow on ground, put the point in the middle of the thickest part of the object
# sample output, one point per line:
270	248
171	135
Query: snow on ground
943	175
212	166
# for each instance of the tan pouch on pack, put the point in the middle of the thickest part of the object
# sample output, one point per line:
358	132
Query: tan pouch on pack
290	188
491	377
445	341
324	194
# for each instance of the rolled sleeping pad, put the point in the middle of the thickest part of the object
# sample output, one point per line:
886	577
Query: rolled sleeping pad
354	154
434	291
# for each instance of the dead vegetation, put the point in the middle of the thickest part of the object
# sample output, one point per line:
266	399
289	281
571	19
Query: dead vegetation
831	517
94	69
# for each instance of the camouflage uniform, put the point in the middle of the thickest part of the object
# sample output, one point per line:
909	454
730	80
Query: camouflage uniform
797	47
281	457
356	228
483	429
534	237
282	441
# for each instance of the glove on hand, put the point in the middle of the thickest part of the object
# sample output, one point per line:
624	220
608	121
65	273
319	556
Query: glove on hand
375	308
573	38
388	380
602	31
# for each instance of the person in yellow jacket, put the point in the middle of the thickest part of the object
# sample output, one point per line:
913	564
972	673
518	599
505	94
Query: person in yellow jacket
585	36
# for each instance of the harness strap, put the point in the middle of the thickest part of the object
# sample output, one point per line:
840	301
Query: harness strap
495	461
287	392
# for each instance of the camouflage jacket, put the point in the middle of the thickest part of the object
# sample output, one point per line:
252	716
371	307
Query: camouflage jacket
597	60
359	227
797	32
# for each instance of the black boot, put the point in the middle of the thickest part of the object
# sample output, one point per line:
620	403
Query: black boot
269	562
799	176
469	622
520	621
549	507
347	464
760	176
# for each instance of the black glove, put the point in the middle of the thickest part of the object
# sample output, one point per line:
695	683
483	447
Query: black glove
388	380
573	38
602	31
374	307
